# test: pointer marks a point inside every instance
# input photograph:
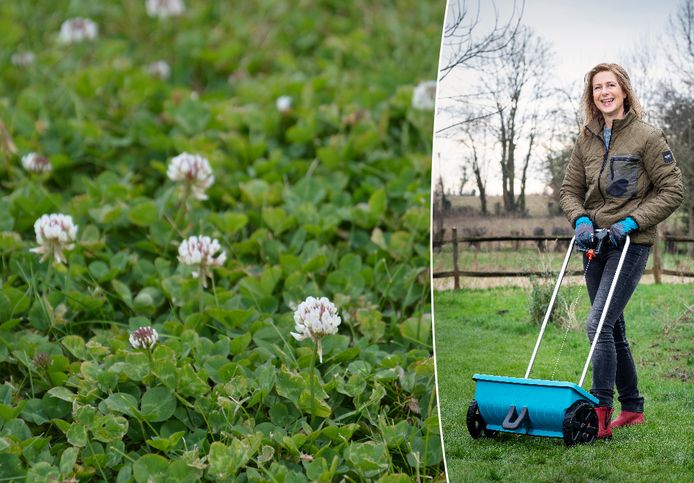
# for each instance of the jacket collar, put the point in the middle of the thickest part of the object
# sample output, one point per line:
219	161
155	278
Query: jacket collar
597	125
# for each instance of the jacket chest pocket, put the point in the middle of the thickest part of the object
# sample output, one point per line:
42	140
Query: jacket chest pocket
622	175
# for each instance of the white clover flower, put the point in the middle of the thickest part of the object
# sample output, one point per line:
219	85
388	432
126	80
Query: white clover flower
194	171
284	104
199	251
23	59
159	69
36	163
144	338
54	233
315	318
77	30
424	96
164	8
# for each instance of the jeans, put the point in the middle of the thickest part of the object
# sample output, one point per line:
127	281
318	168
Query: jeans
612	360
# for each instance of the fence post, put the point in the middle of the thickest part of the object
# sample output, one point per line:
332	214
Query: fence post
456	280
516	243
657	263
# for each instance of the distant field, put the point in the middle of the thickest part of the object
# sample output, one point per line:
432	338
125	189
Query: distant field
535	204
466	216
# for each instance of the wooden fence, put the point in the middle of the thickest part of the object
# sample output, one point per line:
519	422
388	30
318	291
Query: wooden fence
456	273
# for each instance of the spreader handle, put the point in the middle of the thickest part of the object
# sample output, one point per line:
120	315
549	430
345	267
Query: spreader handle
605	309
508	424
551	305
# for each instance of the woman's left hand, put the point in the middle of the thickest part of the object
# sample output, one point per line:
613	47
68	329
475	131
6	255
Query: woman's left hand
619	230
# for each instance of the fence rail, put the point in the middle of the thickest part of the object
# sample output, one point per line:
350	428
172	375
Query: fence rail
456	273
491	274
478	239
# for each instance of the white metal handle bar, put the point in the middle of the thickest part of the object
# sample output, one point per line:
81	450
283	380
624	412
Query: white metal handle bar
551	305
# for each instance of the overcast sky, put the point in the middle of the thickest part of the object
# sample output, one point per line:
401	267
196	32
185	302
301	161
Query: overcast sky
582	34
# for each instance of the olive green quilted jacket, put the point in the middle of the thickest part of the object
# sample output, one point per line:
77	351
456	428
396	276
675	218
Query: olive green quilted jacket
637	177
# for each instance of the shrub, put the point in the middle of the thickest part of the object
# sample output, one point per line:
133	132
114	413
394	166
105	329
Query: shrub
564	311
540	295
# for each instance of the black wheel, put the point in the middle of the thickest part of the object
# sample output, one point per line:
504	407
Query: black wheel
475	423
580	424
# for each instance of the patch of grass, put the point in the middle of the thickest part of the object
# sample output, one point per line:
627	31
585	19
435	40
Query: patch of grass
489	331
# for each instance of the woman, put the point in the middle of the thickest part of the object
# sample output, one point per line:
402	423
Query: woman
622	176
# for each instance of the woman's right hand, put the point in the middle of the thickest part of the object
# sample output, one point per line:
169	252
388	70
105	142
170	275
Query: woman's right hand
584	232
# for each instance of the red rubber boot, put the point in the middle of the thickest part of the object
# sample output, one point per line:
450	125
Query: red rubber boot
604	418
628	418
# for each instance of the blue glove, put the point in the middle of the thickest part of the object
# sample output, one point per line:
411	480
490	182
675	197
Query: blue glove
619	230
584	232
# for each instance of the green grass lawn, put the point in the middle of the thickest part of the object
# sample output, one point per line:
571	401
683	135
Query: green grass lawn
487	331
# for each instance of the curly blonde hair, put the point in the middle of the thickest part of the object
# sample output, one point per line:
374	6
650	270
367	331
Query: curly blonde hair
590	110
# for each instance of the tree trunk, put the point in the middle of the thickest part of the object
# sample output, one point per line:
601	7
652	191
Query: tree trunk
524	176
483	196
506	170
480	181
511	180
438	221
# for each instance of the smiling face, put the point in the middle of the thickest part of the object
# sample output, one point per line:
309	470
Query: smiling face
608	96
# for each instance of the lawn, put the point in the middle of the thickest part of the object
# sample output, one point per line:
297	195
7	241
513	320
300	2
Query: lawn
487	331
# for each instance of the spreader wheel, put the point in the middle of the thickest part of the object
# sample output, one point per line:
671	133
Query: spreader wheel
580	424
475	423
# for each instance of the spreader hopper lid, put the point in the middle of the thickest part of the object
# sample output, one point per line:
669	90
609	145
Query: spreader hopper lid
536	382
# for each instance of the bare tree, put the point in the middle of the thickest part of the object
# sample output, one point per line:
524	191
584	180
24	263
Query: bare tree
559	139
678	115
682	35
474	143
464	178
677	101
469	45
555	168
461	42
441	205
521	82
570	113
642	64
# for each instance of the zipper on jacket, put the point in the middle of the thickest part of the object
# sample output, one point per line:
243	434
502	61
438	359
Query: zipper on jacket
626	157
602	168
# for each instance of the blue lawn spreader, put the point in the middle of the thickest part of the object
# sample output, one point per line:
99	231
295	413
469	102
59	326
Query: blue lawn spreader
539	407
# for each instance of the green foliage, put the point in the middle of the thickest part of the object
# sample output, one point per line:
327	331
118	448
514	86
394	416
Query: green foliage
329	198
